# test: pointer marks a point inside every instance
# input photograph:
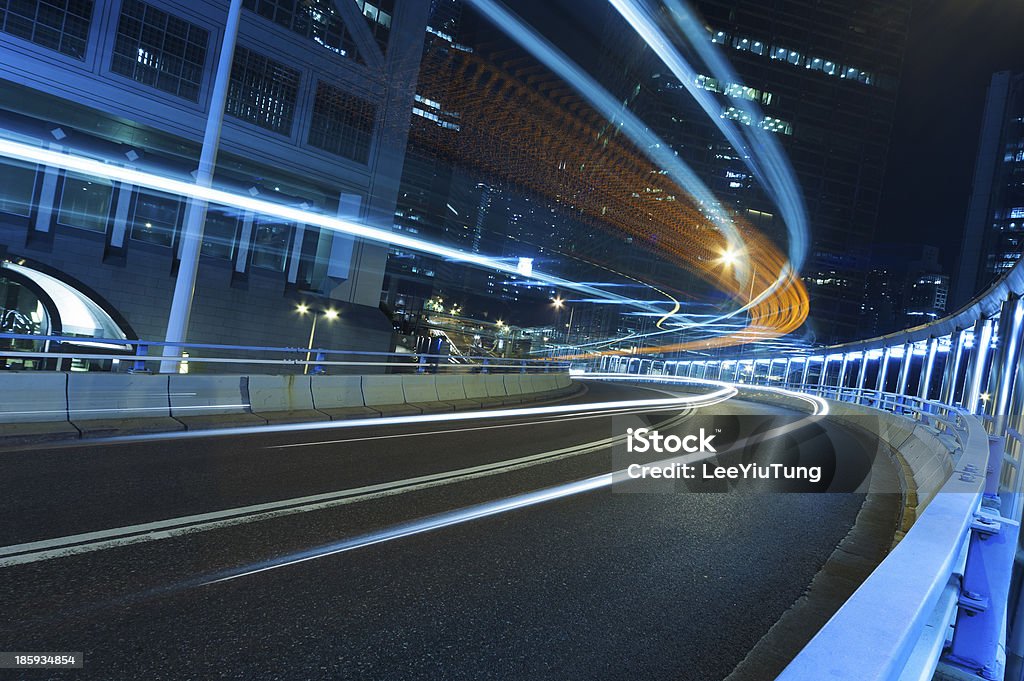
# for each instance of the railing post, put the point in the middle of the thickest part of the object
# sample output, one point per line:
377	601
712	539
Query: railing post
317	368
979	356
140	364
1004	363
951	372
925	382
883	370
803	374
977	634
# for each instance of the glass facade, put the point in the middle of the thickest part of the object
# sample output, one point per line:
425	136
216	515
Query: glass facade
17	185
61	25
160	50
342	123
85	203
270	245
314	19
155	218
262	91
220	234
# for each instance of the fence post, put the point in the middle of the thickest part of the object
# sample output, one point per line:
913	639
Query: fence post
140	364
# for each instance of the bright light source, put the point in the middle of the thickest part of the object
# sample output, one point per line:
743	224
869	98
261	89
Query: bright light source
730	257
558	302
331	314
301	308
525	266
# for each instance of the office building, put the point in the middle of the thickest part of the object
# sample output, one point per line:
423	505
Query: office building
317	116
995	212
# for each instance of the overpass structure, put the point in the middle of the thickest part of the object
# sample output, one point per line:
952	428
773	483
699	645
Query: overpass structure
946	602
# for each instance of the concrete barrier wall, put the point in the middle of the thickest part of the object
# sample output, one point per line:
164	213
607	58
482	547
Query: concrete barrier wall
92	396
419	388
207	395
50	397
475	386
337	392
383	390
33	397
495	385
451	387
280	394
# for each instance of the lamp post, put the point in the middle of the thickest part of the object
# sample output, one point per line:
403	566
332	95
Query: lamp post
558	304
730	258
330	314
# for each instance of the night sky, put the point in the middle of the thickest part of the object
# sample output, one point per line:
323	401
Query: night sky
954	48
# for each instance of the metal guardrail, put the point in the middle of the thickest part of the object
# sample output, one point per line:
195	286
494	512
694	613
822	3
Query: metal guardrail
134	353
941	598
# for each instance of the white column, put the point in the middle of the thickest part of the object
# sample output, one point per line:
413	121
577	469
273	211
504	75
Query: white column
195	216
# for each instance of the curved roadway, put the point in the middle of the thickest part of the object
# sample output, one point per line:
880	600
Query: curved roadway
595	584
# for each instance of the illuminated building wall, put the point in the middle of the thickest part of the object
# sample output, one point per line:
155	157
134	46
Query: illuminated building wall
995	212
317	114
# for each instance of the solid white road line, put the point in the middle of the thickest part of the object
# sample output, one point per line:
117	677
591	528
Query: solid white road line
47	549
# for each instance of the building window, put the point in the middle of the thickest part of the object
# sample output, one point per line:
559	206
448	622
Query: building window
270	245
61	25
313	19
220	234
342	123
378	15
85	203
17	185
155	218
160	50
262	91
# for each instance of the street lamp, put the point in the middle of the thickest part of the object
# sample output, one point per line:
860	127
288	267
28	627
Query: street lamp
558	303
330	314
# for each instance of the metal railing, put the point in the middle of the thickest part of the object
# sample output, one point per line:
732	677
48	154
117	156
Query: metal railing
942	598
134	356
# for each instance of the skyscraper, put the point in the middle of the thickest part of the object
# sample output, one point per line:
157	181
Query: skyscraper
825	76
995	212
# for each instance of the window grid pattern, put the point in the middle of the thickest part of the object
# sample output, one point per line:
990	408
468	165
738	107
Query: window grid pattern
378	15
61	25
314	19
262	91
342	123
160	50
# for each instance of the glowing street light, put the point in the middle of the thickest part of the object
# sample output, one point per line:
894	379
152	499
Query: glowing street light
330	314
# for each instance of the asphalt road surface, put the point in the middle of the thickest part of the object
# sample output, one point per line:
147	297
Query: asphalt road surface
305	555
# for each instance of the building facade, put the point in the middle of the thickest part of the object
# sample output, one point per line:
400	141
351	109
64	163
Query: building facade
995	211
317	117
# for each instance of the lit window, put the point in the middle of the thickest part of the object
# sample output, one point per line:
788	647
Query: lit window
85	203
160	50
313	19
262	91
270	245
155	218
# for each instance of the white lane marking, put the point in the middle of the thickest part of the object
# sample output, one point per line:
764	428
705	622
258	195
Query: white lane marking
29	552
493	426
713	397
418	527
